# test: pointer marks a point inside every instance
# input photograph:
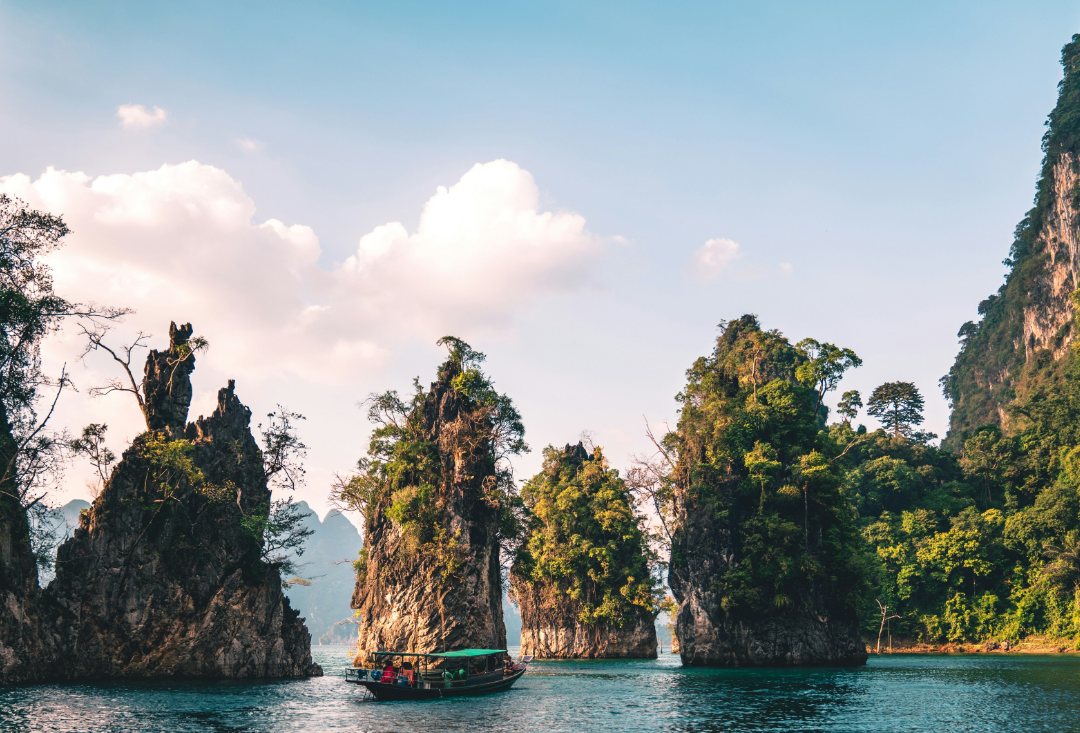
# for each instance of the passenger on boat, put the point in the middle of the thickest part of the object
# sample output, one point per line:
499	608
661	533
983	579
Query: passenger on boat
388	673
408	674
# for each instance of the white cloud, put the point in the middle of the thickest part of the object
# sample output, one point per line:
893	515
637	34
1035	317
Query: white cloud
482	247
136	116
714	257
182	243
248	144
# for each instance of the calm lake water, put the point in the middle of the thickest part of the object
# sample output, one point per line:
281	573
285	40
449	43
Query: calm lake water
903	693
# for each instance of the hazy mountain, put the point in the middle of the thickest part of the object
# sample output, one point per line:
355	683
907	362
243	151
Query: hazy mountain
60	522
327	568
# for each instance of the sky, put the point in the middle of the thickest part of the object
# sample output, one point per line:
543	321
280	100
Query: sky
583	191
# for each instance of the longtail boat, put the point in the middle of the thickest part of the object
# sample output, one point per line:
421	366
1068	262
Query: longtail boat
414	676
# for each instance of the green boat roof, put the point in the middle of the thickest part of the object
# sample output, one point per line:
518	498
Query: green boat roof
454	654
469	653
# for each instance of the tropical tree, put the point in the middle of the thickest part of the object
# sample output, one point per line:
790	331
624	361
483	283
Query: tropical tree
584	546
30	452
898	406
850	404
825	365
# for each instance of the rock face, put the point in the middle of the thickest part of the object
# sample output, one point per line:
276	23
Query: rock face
708	635
24	640
783	640
551	629
1026	328
429	577
164	577
581	578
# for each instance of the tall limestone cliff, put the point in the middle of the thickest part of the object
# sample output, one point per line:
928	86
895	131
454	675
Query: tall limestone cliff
1026	328
436	497
165	575
763	556
581	576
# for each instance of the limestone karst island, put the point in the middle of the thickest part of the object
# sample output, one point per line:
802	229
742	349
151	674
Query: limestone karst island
539	366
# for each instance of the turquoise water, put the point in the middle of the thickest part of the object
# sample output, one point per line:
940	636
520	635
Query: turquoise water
902	693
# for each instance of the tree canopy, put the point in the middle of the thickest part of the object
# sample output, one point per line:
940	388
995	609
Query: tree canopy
898	406
407	474
753	464
583	540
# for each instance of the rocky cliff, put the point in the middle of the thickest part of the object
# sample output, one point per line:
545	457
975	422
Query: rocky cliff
434	497
165	575
551	628
764	550
581	577
24	640
1027	326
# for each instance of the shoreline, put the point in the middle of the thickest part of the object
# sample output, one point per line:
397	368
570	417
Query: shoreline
1031	645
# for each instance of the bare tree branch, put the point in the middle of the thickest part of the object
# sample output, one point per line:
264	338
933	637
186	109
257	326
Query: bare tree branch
95	340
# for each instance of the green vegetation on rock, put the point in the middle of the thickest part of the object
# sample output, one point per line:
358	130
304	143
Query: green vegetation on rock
403	478
583	542
762	529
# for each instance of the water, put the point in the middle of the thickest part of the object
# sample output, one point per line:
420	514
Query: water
902	693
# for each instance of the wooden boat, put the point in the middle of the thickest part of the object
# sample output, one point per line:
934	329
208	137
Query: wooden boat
413	676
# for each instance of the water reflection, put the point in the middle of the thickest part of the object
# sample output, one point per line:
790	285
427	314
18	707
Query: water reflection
899	693
763	699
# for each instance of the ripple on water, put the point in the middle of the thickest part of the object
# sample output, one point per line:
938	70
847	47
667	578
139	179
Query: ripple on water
909	693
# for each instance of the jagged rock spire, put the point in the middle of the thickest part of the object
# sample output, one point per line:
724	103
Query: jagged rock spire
167	382
165	576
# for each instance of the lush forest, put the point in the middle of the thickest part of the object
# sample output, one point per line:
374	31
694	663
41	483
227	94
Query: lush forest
983	544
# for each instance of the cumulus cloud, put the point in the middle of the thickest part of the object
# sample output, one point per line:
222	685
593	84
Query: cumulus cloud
714	257
137	116
182	242
482	247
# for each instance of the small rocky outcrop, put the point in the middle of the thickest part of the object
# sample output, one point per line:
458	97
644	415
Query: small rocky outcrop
165	575
581	577
551	628
708	637
434	499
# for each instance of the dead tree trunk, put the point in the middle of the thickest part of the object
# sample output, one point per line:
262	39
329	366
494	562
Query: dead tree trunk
885	618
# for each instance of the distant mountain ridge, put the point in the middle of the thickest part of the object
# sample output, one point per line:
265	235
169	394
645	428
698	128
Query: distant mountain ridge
327	569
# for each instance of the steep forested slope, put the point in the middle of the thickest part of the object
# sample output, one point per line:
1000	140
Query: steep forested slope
1026	327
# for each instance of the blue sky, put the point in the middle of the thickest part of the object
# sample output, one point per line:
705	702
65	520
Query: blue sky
870	160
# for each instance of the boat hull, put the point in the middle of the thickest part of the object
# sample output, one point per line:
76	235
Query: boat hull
385	691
